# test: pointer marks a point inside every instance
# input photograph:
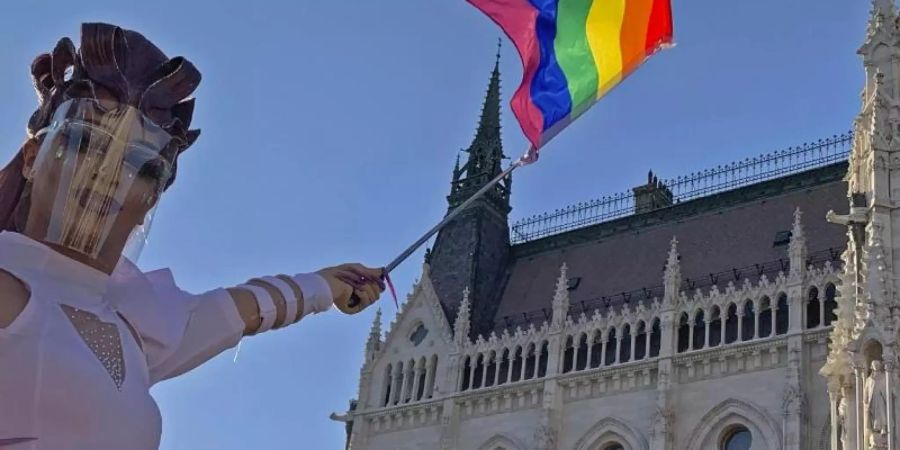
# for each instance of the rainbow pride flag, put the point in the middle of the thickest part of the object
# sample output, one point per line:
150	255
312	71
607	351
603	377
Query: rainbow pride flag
574	52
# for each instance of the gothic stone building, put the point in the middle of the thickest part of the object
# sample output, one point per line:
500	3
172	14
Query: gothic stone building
753	306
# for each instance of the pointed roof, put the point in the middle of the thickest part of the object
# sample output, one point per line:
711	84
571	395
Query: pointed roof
489	123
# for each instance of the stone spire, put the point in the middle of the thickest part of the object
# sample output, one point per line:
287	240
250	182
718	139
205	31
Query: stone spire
373	345
672	274
485	159
462	325
797	250
561	298
472	250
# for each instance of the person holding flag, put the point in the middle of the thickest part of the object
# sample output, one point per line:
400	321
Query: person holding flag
84	334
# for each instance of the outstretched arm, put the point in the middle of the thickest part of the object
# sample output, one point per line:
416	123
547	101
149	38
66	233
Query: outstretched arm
293	297
216	320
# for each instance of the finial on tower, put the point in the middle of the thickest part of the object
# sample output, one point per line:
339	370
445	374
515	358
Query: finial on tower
463	323
672	274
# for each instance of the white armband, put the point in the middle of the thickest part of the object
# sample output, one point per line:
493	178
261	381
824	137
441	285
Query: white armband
290	298
317	296
266	305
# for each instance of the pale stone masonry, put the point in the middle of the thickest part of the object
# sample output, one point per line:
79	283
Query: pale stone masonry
738	318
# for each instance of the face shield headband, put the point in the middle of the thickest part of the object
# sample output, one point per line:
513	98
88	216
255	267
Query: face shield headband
97	178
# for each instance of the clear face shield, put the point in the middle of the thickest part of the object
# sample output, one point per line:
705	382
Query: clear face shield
97	179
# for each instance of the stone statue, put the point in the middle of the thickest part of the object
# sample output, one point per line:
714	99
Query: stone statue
876	403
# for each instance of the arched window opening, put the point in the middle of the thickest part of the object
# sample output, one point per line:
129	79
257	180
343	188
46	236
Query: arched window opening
479	371
432	374
409	377
640	342
813	309
518	360
569	355
738	438
731	324
597	350
782	315
684	328
613	446
504	367
699	331
581	356
625	348
655	337
610	354
388	377
765	317
490	376
542	360
466	371
749	322
830	304
715	327
530	363
423	373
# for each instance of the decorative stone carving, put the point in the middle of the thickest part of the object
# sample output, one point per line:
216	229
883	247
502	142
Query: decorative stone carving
876	402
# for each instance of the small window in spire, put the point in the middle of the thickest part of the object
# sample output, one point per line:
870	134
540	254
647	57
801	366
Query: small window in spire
782	238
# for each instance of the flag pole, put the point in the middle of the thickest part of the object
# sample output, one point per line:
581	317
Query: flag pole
459	209
526	159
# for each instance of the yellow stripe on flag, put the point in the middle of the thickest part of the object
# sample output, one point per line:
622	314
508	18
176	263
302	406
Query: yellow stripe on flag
604	24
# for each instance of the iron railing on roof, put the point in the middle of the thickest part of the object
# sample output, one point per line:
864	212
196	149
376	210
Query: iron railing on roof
690	285
700	184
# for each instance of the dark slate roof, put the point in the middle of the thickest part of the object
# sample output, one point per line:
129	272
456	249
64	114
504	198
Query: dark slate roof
719	233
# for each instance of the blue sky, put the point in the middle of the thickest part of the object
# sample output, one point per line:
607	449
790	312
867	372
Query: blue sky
329	135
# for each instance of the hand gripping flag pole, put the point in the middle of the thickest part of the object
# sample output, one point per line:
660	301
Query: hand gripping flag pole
528	158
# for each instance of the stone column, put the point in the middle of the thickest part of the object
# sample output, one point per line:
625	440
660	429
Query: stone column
858	410
794	400
888	379
473	363
633	343
603	341
618	345
690	332
417	373
834	397
449	426
590	348
756	313
396	378
774	308
430	372
706	321
723	318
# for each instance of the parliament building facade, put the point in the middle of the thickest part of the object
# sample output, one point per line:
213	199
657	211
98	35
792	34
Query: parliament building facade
751	306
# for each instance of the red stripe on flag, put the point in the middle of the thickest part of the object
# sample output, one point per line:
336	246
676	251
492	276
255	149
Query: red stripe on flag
518	20
659	29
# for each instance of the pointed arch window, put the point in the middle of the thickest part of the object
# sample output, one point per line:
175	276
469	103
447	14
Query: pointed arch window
418	335
738	438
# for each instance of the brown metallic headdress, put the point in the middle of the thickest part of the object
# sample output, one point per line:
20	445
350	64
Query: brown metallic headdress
111	63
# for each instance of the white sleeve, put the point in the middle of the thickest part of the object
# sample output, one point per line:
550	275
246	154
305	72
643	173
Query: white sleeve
213	325
178	330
